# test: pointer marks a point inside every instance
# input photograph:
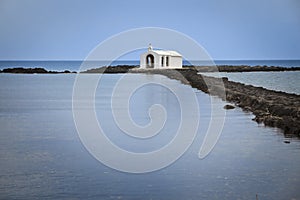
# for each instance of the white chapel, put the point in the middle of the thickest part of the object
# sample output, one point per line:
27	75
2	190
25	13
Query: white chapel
160	59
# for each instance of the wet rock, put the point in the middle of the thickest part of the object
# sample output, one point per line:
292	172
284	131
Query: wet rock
228	107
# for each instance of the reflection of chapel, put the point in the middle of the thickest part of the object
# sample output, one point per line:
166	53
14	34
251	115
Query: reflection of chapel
160	59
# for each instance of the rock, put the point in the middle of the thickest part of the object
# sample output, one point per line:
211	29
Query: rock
110	69
228	107
287	141
21	70
38	70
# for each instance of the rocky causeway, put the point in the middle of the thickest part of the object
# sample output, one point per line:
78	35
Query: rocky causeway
273	108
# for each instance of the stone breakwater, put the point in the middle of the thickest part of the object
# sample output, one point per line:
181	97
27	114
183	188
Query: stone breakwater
275	109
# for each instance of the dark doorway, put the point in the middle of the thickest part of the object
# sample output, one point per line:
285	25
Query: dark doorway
167	61
150	61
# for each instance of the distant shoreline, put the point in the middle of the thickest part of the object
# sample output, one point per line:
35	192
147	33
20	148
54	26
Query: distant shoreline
127	68
38	70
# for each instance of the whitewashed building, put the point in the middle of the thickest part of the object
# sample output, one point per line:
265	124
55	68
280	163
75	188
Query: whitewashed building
159	59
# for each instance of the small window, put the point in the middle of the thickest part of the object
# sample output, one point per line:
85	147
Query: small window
162	61
167	61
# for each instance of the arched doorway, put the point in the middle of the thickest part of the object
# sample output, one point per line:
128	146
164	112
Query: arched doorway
150	61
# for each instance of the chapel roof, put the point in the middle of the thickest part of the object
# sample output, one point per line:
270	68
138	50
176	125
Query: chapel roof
167	53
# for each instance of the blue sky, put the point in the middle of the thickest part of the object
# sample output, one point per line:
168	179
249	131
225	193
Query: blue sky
229	29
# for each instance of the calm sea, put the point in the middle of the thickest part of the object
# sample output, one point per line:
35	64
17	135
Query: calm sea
280	81
41	156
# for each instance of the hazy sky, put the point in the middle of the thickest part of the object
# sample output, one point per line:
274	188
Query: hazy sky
228	29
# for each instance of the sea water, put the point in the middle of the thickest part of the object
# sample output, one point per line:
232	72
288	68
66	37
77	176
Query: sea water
42	157
286	81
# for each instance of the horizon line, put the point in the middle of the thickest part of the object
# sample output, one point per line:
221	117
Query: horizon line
73	60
